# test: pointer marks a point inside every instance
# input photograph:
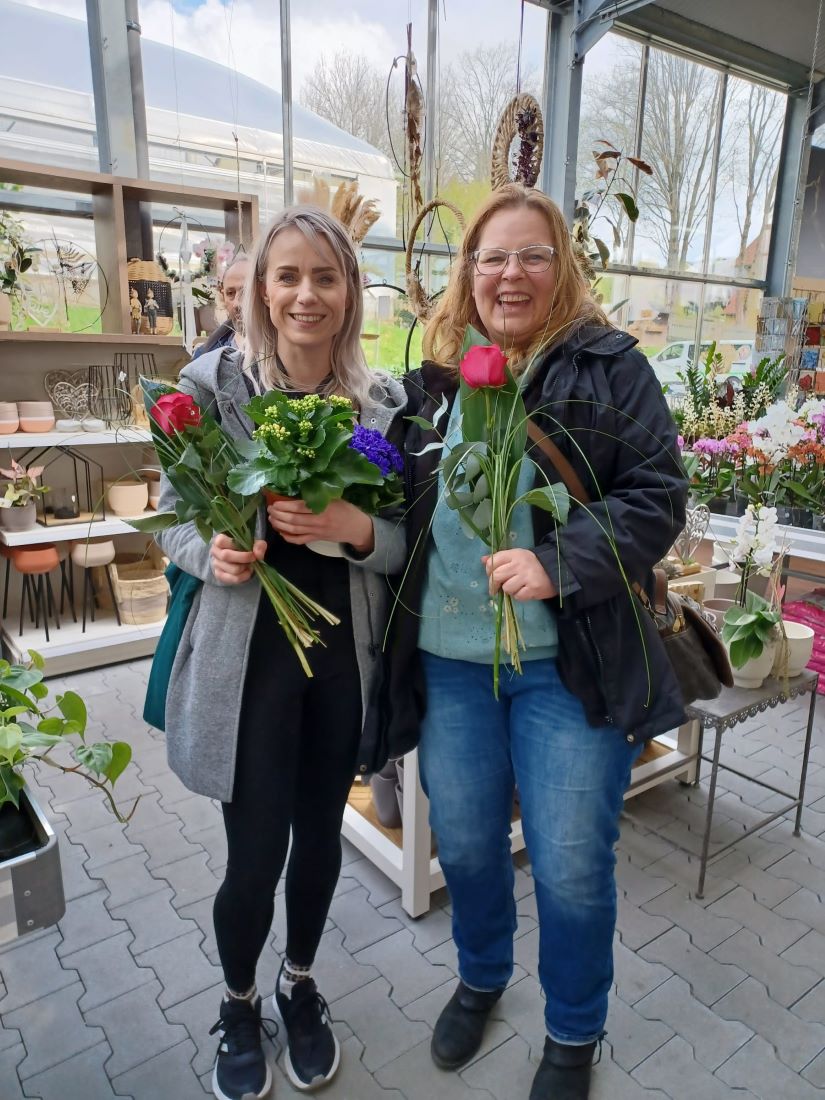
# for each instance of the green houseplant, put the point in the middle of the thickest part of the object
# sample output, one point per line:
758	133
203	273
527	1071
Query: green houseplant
18	504
35	730
16	257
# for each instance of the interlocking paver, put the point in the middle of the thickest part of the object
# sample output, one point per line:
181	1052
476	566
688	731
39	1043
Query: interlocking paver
81	1077
379	887
337	971
756	1067
198	813
804	905
128	879
809	950
182	968
353	1078
803	871
53	1030
414	1075
713	1038
213	841
636	884
705	928
637	927
107	969
136	1027
634	976
190	879
773	930
166	844
632	1037
153	920
504	1071
378	1023
812	1005
674	1069
786	982
428	931
360	923
610	1082
197	1014
409	973
169	1074
815	1072
795	1041
708	978
29	975
86	922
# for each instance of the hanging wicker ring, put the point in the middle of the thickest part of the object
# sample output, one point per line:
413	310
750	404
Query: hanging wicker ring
421	305
521	119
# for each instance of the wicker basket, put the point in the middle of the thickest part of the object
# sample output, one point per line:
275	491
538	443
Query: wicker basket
144	275
141	589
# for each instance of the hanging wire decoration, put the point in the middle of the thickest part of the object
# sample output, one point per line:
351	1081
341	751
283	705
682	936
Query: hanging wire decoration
109	399
518	144
73	270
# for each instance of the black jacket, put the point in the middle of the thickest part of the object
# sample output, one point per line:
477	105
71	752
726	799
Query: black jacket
600	402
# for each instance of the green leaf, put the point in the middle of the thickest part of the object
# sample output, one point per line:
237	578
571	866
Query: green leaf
12	712
11	784
39	691
97	758
11	737
483	515
37	659
37	739
421	422
52	726
629	204
250	478
473	339
481	490
554	499
150	524
121	755
203	528
71	706
317	492
604	251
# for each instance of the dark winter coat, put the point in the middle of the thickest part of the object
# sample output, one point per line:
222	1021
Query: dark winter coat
600	402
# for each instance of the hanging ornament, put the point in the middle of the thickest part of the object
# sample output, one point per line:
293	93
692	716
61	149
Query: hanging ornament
519	143
187	303
413	126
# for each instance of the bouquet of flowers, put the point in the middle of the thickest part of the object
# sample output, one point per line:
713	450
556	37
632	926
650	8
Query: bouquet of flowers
311	447
197	457
481	474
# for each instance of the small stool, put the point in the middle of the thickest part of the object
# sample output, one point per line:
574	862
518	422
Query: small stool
88	556
37	562
66	577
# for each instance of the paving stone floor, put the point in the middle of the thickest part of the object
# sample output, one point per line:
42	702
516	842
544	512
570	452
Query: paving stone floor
723	997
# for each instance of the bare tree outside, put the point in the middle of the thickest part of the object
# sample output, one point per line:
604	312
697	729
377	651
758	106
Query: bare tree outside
351	93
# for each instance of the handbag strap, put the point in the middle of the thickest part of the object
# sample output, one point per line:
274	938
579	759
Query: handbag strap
576	489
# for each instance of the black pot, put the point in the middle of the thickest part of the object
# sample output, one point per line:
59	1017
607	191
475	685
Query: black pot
721	506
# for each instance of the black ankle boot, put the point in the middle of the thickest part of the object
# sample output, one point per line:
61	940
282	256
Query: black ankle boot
564	1073
460	1027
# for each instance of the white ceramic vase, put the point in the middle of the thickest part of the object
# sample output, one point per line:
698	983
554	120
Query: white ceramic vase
754	671
800	645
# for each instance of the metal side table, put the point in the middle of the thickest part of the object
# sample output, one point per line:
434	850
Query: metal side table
735	705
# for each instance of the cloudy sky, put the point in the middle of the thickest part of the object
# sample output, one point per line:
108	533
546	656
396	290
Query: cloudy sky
244	34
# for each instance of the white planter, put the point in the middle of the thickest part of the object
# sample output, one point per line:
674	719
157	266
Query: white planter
127	498
325	548
800	645
754	671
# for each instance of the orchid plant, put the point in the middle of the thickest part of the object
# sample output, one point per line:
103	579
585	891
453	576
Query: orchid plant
752	622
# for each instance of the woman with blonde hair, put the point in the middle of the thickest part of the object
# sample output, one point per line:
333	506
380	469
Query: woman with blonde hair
596	682
244	724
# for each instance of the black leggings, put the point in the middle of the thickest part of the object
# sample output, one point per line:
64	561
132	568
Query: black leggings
297	750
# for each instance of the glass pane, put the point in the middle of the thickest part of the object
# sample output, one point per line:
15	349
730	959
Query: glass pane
196	105
661	314
46	105
678	137
748	166
478	70
387	315
729	318
610	97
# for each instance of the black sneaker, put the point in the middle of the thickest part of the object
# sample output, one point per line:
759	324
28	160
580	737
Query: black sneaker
241	1070
313	1053
564	1072
460	1027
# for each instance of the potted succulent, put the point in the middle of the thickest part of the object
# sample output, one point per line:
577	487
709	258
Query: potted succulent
31	732
18	505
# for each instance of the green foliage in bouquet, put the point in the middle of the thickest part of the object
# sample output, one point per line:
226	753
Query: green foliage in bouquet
747	630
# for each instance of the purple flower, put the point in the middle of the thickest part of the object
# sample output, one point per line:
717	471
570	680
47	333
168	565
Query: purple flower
373	446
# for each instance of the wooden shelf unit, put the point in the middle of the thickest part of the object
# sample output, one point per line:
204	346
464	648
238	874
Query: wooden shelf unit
113	199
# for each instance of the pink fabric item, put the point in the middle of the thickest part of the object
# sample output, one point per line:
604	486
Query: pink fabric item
811	612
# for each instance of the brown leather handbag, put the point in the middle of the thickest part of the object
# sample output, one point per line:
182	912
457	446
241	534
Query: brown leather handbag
692	643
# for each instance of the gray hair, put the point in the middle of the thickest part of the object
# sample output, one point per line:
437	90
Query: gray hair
350	373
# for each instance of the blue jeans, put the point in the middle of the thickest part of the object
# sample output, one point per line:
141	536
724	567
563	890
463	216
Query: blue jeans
571	780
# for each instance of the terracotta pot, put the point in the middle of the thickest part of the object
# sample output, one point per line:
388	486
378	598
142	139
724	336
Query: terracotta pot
127	498
35	559
22	518
320	546
36	423
273	498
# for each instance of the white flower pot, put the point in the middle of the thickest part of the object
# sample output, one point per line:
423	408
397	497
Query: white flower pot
754	671
800	643
325	548
127	498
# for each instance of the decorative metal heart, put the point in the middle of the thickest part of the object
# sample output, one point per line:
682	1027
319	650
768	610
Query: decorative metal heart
694	531
70	392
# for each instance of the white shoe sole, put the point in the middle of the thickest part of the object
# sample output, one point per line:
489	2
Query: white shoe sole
294	1079
221	1095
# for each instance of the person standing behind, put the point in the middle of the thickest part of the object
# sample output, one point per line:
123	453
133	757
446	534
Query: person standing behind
229	334
596	681
244	724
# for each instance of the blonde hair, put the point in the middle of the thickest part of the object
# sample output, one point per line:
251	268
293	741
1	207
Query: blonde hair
350	374
573	304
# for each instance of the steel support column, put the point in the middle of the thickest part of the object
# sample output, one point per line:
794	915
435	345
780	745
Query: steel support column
286	103
115	106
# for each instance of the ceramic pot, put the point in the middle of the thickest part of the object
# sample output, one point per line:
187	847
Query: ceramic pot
23	518
9	419
718	607
754	671
800	646
727	583
35	408
36	423
127	498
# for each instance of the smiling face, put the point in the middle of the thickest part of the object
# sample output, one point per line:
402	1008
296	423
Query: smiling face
514	305
305	291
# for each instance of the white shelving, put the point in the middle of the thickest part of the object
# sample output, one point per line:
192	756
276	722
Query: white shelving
28	440
62	532
70	650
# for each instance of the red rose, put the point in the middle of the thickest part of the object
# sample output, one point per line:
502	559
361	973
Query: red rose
484	366
175	411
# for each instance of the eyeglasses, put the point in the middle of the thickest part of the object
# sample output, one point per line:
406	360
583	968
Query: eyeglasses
533	259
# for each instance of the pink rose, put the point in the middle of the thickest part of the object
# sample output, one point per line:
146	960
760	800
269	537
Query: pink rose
175	411
484	366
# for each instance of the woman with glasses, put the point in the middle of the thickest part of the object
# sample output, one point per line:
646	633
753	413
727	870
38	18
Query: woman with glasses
596	682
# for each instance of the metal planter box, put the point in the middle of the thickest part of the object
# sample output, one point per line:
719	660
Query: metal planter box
31	884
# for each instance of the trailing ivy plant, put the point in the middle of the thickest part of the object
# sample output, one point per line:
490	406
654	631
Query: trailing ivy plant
32	730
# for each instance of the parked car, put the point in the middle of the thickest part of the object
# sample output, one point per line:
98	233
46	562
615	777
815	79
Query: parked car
674	358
